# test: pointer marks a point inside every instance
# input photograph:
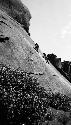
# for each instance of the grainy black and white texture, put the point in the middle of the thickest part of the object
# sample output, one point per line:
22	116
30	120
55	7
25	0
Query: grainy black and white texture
23	101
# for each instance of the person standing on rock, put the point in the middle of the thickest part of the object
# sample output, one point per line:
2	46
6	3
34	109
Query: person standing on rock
36	47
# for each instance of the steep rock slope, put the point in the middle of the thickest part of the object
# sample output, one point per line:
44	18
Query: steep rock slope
27	83
18	53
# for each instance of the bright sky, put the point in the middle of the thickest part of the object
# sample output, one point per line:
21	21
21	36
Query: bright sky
50	26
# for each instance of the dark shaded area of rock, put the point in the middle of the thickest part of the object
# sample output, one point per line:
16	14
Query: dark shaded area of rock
3	39
23	101
18	11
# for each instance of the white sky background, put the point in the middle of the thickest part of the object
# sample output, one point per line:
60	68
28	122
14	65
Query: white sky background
50	26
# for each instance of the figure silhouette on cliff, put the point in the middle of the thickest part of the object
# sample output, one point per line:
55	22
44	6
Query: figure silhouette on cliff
36	47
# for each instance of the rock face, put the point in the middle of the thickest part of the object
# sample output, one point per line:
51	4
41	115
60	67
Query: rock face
18	11
32	92
17	51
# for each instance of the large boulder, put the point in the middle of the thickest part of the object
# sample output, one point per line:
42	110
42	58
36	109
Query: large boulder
17	10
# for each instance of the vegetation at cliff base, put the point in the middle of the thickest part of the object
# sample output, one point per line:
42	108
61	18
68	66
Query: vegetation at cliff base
22	100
